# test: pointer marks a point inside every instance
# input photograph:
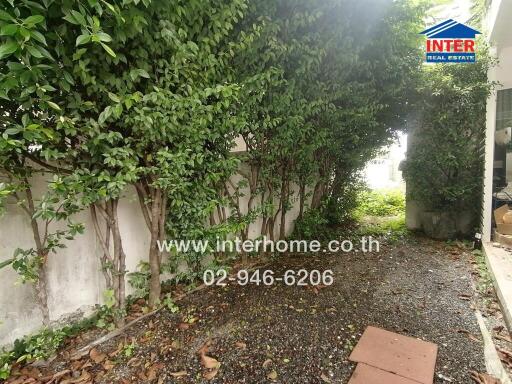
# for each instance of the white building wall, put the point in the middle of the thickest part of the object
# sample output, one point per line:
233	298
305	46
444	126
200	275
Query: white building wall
500	38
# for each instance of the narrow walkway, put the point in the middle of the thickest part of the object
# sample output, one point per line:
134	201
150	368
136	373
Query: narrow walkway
283	334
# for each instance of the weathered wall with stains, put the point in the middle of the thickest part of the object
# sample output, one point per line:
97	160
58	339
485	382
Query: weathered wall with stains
75	281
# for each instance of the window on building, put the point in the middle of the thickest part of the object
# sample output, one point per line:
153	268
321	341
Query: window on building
503	136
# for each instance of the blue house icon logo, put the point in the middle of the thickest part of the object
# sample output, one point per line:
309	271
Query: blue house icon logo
450	42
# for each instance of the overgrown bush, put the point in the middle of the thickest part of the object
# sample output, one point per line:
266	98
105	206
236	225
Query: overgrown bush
390	229
444	168
310	226
380	203
41	345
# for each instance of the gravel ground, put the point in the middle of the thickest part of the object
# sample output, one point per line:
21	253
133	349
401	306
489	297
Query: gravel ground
282	334
286	334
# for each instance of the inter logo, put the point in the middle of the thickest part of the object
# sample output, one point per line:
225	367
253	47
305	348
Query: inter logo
450	42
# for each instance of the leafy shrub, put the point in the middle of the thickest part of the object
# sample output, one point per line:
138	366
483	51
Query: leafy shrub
310	226
41	345
444	168
380	203
391	229
139	281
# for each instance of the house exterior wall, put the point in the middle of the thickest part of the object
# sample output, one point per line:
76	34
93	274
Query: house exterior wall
500	38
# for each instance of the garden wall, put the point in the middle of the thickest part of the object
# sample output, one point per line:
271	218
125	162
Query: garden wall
75	280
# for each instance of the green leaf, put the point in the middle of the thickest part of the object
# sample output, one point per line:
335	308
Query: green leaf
111	7
83	39
79	17
12	131
105	37
45	53
105	115
69	17
143	73
34	51
8	48
108	49
114	97
5	16
9	30
36	35
53	105
69	78
34	19
134	74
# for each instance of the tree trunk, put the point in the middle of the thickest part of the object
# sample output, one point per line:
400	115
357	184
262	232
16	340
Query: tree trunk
41	287
284	200
302	198
263	216
154	254
115	257
119	262
42	293
318	194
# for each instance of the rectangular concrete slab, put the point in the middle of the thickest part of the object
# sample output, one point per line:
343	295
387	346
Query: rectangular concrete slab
499	262
404	356
364	374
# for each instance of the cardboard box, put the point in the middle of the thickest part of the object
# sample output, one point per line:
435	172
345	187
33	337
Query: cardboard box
504	240
501	227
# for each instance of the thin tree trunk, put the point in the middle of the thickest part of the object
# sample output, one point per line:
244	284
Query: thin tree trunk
284	199
318	194
120	261
154	254
302	198
263	229
41	286
105	245
42	294
114	258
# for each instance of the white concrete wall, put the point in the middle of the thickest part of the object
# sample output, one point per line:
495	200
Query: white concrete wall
75	280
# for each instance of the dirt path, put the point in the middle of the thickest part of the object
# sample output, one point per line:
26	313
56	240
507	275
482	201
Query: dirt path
283	334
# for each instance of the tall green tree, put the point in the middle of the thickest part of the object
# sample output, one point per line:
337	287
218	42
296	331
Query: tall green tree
49	122
36	75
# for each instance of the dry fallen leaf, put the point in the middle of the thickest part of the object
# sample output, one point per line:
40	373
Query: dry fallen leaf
266	363
324	378
209	362
210	374
108	365
241	345
60	374
151	373
272	375
469	335
97	356
484	378
204	349
178	374
85	376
